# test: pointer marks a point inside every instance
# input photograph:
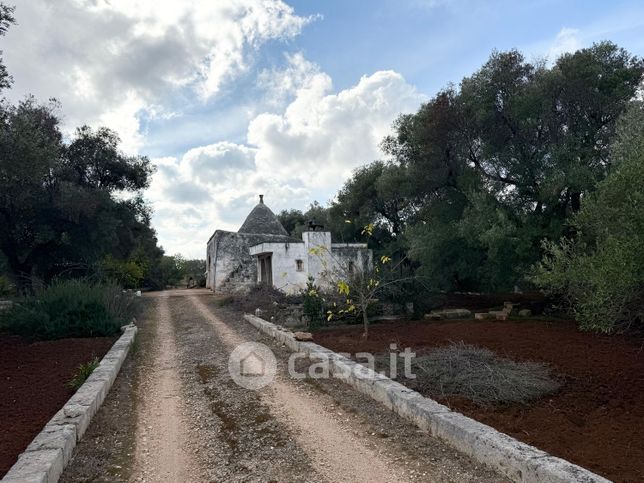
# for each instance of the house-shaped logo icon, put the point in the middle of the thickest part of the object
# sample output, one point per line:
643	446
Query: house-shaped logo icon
252	365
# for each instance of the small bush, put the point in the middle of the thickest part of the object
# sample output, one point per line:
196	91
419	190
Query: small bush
313	304
82	373
481	376
128	273
70	308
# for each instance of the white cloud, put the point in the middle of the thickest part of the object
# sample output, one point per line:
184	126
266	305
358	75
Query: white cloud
431	3
567	40
294	157
325	135
210	163
109	60
282	84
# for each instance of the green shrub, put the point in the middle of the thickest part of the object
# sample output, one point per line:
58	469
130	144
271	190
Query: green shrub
82	373
128	273
601	286
313	304
70	308
599	272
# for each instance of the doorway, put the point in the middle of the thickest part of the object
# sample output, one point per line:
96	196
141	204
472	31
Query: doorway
266	270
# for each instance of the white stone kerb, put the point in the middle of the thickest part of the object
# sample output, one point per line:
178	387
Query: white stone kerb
46	457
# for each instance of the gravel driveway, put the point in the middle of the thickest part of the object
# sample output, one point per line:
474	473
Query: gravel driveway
175	414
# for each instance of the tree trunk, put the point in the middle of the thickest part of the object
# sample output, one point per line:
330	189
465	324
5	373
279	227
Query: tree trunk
575	201
365	321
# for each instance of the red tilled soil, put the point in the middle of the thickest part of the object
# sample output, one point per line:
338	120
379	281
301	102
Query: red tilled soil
595	420
33	378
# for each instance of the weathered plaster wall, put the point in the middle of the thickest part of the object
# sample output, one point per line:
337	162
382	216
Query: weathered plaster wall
235	269
231	267
211	249
358	253
284	263
318	250
326	259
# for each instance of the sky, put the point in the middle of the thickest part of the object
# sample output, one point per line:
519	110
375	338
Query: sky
233	98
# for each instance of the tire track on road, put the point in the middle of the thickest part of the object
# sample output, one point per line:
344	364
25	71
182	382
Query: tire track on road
335	451
160	441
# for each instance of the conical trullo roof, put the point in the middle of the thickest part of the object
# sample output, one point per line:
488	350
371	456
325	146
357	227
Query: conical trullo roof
262	220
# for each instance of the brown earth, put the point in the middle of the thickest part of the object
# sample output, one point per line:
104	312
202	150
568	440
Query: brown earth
33	378
595	420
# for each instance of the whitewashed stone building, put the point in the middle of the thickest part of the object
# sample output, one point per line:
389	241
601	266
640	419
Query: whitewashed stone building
262	251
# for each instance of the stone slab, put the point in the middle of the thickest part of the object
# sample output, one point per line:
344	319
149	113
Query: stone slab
61	437
452	313
26	478
43	465
483	315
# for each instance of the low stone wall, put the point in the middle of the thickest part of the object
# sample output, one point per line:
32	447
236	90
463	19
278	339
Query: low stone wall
45	458
512	458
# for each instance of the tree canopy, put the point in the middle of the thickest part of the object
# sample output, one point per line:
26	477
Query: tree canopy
6	20
57	203
483	172
68	206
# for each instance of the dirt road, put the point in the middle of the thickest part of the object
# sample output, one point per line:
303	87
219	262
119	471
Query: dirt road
175	414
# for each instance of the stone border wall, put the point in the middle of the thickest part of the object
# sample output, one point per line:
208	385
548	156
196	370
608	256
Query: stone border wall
45	458
518	461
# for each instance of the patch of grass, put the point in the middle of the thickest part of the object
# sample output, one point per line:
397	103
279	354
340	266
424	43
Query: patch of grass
82	373
478	374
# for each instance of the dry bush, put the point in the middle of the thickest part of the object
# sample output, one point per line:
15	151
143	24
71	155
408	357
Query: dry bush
268	299
481	376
